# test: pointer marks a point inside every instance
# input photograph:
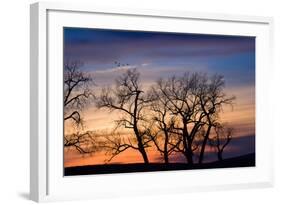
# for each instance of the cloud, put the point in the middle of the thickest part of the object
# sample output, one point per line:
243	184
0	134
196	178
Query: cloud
149	73
100	46
144	64
115	69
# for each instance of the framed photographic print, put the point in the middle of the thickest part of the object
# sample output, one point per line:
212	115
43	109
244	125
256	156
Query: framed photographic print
124	96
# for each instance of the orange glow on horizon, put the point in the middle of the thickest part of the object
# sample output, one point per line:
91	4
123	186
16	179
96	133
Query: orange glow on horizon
241	117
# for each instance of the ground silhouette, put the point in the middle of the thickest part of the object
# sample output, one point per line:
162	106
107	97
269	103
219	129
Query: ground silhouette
241	161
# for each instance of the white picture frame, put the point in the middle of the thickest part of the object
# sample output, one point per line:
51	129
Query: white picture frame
46	152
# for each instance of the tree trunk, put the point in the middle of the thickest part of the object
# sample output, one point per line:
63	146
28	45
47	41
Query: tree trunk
143	153
166	157
139	138
187	148
220	155
201	156
190	152
140	145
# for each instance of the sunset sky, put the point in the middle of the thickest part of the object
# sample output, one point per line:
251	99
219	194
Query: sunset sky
161	55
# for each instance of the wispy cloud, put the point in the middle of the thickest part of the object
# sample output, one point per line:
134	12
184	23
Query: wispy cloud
113	70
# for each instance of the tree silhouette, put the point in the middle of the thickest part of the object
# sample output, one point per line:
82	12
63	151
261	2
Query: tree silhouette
195	101
161	130
127	97
221	139
176	115
117	143
212	99
77	94
83	142
184	106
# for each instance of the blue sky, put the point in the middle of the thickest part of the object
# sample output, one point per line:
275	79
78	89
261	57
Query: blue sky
231	56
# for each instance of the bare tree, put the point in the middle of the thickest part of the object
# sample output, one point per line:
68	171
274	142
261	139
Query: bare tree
162	131
76	91
127	98
83	142
185	106
212	99
195	100
116	143
221	139
77	94
184	111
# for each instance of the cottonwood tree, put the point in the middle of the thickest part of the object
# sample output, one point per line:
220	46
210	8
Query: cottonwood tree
77	94
212	100
184	105
195	100
183	111
127	97
161	130
84	142
222	137
116	143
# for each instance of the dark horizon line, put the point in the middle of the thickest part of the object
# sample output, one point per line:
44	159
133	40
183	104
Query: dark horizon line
247	160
